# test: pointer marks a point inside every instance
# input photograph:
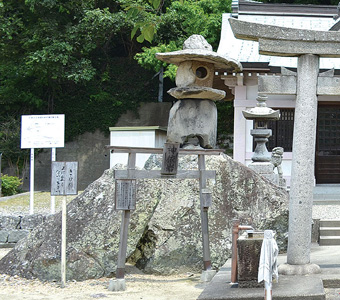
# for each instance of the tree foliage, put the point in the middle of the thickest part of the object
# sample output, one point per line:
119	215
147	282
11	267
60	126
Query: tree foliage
71	57
173	23
77	57
318	2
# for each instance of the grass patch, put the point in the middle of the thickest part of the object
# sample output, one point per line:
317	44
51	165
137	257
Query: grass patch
42	202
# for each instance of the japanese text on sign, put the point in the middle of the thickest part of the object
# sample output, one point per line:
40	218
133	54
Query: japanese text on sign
64	178
125	194
170	158
42	131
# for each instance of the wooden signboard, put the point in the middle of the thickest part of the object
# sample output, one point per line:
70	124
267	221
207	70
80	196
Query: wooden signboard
64	178
170	159
206	198
125	194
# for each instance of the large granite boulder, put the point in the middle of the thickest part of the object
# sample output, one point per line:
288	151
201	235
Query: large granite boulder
164	231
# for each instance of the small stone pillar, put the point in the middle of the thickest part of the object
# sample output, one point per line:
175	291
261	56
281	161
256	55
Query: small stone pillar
261	114
193	118
248	258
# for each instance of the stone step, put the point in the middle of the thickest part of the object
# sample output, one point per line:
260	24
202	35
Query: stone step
330	223
330	231
326	202
329	241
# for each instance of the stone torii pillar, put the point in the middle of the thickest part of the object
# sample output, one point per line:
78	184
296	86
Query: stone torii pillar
306	84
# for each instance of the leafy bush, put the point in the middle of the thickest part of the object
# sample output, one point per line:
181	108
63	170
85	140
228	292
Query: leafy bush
10	185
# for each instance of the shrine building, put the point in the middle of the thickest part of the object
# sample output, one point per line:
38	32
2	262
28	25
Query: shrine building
244	85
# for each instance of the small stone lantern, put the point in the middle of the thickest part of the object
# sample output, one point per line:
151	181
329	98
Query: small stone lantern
261	114
193	118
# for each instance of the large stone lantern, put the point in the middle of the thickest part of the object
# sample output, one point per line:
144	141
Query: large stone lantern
193	118
261	114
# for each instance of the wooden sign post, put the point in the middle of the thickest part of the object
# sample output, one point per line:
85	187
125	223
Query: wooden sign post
63	183
126	201
126	196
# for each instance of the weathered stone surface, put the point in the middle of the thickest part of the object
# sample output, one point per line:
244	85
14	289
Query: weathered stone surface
197	41
248	258
9	222
283	41
197	92
92	236
3	236
197	48
302	179
193	118
164	232
16	235
175	238
31	221
277	85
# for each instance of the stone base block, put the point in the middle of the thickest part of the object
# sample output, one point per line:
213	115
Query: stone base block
287	269
207	275
248	257
250	284
116	285
265	169
262	167
3	236
16	235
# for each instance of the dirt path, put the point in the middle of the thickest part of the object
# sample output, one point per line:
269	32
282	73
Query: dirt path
139	287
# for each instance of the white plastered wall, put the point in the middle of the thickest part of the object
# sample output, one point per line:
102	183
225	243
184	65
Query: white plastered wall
150	138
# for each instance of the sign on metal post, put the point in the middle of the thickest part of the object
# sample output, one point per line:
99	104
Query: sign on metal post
125	194
63	183
64	178
41	131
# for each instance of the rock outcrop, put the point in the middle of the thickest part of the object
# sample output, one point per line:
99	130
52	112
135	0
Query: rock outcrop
164	231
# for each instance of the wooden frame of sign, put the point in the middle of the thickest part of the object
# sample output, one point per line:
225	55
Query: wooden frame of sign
125	182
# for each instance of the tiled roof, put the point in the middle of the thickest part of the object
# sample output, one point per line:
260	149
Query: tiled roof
247	51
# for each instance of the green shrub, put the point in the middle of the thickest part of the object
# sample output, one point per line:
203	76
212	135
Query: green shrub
10	185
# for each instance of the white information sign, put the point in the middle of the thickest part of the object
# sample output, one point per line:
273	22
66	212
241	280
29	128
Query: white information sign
42	131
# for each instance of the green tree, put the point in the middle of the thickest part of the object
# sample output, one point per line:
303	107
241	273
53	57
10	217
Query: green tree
319	2
174	23
72	57
77	57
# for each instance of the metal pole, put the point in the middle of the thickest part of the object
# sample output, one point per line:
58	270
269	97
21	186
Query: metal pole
53	158
0	173
160	85
63	242
267	291
32	182
236	224
204	215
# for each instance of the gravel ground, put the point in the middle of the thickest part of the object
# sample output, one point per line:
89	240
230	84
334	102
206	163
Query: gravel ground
139	287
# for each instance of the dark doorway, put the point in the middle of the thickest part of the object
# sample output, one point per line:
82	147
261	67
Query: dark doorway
327	162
